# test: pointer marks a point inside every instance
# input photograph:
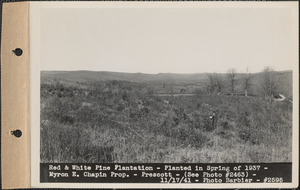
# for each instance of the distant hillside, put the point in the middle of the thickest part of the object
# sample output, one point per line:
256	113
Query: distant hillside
283	79
88	76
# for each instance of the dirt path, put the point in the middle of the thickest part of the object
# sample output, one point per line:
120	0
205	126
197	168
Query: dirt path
282	98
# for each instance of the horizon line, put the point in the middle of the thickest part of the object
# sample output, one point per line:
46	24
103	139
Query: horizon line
157	73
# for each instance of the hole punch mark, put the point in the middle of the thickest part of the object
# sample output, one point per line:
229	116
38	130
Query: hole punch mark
17	133
18	51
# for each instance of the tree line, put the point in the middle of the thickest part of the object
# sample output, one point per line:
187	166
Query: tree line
217	83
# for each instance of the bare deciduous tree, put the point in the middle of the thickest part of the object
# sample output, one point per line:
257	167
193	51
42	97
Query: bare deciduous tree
219	83
247	82
231	73
212	83
268	83
215	83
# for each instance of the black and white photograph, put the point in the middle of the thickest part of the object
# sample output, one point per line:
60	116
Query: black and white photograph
167	84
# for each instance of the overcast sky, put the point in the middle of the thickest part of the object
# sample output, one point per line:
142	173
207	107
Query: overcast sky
167	40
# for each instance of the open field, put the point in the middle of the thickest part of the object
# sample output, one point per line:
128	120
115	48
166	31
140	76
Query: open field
123	117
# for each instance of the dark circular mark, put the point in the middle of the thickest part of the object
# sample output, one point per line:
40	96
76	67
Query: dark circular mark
17	133
18	51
